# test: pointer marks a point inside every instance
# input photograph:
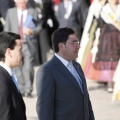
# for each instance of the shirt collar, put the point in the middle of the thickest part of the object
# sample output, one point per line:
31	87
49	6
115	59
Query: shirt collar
21	11
65	62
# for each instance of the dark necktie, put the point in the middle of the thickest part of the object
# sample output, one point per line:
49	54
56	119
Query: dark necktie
21	27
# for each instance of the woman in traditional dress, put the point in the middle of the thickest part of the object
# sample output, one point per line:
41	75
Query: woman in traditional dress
91	26
108	48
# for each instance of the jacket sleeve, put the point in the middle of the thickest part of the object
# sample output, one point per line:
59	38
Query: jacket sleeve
7	23
36	21
91	114
5	102
45	94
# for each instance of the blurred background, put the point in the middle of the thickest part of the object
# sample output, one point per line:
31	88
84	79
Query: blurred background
97	24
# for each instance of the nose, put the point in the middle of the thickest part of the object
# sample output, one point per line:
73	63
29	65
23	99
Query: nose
22	54
78	46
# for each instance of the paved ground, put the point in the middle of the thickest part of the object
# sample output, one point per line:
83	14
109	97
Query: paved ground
103	106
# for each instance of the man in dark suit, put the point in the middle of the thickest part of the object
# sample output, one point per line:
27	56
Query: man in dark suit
48	13
83	8
61	86
4	6
70	15
12	106
29	33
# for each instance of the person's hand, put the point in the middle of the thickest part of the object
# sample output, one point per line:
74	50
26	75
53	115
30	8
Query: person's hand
28	31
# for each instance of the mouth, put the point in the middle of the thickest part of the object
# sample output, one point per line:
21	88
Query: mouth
22	58
76	52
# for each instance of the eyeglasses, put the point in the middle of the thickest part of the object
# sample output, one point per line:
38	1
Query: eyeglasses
74	42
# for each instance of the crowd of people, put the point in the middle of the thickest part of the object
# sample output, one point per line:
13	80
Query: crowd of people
30	29
35	21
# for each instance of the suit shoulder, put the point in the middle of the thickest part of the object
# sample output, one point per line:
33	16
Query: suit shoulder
76	5
12	9
46	66
32	10
61	4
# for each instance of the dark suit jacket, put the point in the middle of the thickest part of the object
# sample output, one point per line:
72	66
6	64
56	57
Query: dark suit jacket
31	4
83	8
59	95
12	106
49	13
5	5
75	19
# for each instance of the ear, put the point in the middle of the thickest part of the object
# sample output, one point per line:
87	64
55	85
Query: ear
61	46
8	52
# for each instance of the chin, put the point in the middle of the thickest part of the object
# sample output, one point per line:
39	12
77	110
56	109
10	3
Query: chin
17	65
76	56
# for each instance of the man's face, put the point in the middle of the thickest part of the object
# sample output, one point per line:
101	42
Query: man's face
16	54
21	4
71	47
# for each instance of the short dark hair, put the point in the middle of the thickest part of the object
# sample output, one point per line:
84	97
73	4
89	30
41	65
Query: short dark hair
60	36
7	40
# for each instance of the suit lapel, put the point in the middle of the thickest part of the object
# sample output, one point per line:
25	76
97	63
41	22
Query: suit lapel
10	82
77	67
60	66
